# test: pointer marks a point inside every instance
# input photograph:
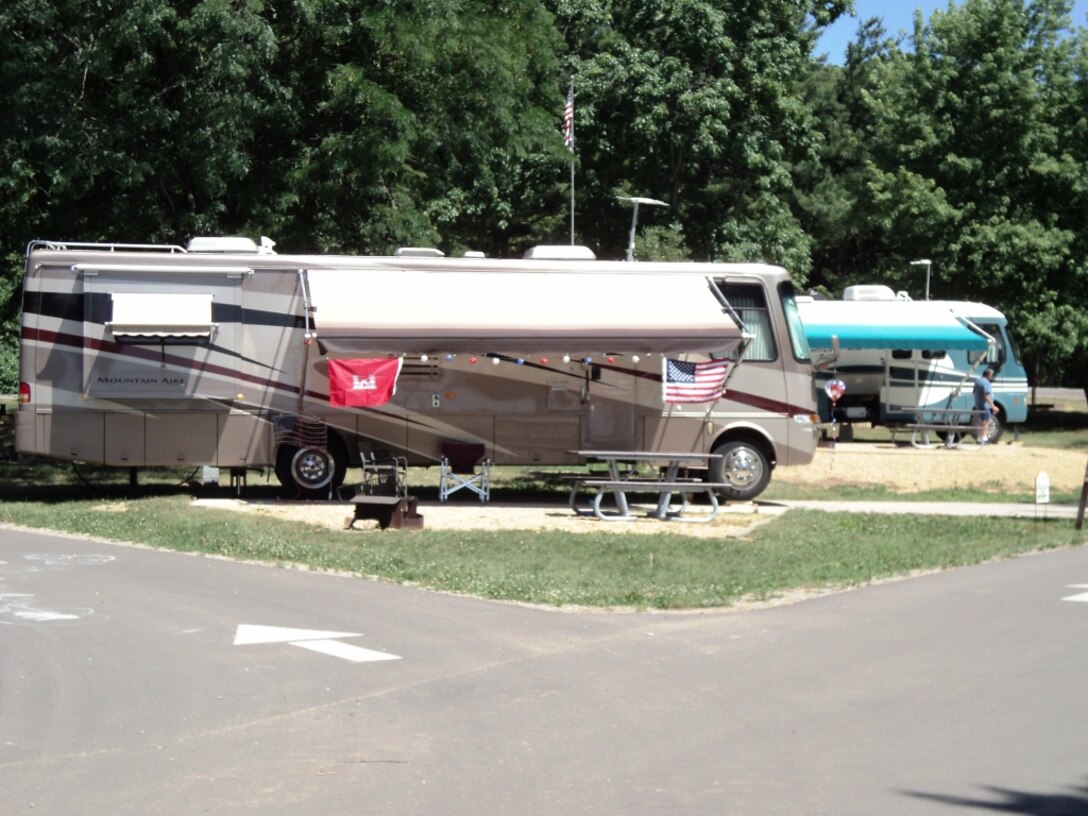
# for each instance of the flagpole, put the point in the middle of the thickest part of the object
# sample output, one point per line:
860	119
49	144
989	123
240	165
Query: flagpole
572	199
568	138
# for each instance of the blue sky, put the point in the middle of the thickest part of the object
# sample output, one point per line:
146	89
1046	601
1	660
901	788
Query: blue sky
897	14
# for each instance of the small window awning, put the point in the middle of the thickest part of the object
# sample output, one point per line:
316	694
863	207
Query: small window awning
888	324
414	312
161	314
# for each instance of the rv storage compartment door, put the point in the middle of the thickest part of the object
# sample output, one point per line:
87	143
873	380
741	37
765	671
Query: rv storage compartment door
124	438
75	435
181	438
245	440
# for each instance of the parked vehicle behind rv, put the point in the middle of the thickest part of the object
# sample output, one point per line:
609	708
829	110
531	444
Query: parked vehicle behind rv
899	356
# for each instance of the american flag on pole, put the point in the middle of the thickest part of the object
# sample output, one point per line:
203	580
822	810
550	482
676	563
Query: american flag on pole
683	381
568	119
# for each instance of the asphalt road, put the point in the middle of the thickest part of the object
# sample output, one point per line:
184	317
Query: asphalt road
127	687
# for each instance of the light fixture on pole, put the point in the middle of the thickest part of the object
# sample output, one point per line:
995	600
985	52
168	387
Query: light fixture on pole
928	265
636	200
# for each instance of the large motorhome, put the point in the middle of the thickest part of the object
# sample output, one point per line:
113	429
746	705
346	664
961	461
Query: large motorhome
219	353
897	356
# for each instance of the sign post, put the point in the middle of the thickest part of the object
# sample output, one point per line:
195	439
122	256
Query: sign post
1083	500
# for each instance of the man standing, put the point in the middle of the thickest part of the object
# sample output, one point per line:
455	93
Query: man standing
984	404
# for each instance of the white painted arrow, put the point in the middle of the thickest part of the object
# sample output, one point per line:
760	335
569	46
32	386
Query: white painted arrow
313	639
1083	596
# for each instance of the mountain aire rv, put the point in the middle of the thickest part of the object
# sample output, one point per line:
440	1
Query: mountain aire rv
225	354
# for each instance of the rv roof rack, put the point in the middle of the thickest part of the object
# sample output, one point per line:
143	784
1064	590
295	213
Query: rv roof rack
62	246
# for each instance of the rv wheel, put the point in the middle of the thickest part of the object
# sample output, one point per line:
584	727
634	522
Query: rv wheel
312	472
743	466
312	468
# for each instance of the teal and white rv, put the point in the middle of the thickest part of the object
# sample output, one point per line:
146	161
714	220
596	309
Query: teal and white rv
897	356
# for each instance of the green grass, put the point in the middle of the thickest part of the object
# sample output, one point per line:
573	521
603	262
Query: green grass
667	570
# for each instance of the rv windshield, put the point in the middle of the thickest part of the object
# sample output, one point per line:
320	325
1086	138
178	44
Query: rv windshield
793	322
1001	338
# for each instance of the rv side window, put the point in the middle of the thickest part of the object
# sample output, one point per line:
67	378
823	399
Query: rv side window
901	354
933	355
750	303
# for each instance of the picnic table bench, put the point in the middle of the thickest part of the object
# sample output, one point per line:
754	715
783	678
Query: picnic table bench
619	484
953	423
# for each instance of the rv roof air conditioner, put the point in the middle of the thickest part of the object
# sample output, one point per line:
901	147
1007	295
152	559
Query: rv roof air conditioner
872	292
560	252
230	245
419	252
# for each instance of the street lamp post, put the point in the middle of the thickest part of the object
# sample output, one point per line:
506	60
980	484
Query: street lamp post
928	264
636	200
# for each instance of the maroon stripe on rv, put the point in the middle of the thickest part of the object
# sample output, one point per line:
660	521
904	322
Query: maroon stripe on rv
143	353
754	400
77	342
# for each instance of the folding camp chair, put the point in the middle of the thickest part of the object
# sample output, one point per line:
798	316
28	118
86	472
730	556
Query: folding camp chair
464	466
384	477
382	495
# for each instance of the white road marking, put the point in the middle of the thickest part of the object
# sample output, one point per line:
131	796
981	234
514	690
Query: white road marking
345	651
1082	597
315	640
247	634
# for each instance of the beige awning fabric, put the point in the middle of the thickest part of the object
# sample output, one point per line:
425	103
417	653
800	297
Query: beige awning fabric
161	314
416	312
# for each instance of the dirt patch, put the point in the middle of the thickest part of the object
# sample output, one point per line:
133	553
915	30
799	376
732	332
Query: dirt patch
1009	467
454	515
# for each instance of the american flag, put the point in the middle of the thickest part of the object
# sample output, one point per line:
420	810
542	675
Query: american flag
683	381
568	120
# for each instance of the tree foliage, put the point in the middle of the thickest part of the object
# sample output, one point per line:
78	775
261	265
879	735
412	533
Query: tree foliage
361	125
966	150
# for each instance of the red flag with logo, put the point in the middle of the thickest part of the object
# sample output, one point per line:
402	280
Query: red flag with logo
363	382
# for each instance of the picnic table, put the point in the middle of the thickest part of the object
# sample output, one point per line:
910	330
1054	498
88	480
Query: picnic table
950	424
623	478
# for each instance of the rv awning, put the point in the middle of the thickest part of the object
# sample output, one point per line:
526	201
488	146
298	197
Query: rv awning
161	314
415	312
905	324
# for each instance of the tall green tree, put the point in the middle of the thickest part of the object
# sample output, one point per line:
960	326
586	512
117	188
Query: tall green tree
128	121
964	150
417	122
833	187
977	114
695	102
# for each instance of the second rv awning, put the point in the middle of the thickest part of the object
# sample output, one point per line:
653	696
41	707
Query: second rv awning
906	324
415	312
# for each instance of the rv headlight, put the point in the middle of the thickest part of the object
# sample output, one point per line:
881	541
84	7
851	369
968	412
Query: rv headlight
806	419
